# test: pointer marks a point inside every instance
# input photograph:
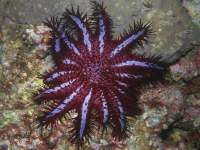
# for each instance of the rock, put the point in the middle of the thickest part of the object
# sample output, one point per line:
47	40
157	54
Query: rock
23	57
186	68
193	7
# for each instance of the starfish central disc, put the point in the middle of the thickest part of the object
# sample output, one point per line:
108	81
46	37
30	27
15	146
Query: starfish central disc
93	72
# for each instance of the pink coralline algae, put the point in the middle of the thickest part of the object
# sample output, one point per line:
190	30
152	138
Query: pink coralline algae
187	68
95	75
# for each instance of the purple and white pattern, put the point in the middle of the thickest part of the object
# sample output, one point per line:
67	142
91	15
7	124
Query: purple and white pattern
95	75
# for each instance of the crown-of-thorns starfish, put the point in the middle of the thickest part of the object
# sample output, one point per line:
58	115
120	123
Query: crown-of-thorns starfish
95	74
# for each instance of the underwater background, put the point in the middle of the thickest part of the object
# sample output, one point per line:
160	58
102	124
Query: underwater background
171	110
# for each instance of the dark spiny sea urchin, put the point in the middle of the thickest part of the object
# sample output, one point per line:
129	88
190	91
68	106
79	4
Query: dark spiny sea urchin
95	75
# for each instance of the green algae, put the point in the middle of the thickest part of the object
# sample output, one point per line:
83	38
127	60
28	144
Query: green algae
8	117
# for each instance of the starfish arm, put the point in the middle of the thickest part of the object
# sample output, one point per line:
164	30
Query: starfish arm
81	128
84	112
57	112
102	24
55	75
136	36
55	24
138	63
136	67
124	80
58	91
78	23
101	107
101	34
70	44
59	36
58	77
117	115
